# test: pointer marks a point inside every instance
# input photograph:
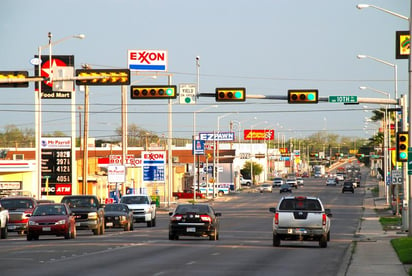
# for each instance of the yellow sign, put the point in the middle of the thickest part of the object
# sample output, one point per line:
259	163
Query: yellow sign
103	77
14	79
403	44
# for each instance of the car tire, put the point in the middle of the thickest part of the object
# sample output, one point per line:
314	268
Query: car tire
127	227
150	223
220	193
213	236
131	226
276	241
171	236
67	235
323	242
96	231
29	237
328	236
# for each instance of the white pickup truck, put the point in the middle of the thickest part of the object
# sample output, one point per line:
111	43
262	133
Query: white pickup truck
301	218
4	219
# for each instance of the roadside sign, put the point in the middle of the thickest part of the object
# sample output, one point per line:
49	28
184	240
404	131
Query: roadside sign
187	93
410	161
218	136
397	178
116	174
147	60
343	99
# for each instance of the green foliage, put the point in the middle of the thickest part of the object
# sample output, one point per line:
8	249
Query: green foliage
257	169
403	247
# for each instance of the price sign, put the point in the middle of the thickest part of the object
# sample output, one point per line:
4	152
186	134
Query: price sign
56	166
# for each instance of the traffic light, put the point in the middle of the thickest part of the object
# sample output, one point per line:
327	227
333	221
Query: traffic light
402	144
14	79
230	94
153	92
103	77
303	96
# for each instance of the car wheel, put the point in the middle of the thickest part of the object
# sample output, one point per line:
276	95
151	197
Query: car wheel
36	237
29	237
276	240
127	227
323	243
213	236
328	236
131	226
149	223
154	222
67	235
220	193
96	231
4	232
171	236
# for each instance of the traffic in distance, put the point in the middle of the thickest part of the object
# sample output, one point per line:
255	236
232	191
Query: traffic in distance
241	220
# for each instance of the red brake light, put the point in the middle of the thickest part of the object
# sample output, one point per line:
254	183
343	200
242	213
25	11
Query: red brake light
177	217
276	218
206	218
324	219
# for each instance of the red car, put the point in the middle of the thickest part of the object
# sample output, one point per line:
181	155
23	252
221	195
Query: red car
188	194
51	219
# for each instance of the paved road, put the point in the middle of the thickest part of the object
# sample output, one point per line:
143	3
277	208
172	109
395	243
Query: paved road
244	248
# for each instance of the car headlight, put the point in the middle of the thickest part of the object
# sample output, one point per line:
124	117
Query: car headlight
33	223
63	221
122	218
92	215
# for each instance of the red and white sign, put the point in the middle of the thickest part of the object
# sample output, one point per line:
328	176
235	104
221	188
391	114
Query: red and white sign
259	134
147	60
116	174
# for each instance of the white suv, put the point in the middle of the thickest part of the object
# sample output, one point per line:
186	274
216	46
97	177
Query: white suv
143	207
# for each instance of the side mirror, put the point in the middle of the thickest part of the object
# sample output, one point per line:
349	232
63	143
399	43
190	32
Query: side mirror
218	214
170	214
272	209
328	212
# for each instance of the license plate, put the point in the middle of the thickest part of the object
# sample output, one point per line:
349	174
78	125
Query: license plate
11	227
109	224
191	229
46	229
301	231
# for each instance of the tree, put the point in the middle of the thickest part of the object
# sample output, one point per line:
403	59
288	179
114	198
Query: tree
256	167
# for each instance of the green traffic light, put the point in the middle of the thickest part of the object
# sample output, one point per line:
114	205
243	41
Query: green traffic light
403	155
169	92
311	97
238	94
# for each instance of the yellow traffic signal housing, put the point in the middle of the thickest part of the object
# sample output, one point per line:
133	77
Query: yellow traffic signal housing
402	144
153	92
230	94
103	77
13	78
303	96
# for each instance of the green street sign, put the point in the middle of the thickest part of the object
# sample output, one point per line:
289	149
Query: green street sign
409	161
343	99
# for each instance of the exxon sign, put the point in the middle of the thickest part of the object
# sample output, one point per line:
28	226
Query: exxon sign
147	60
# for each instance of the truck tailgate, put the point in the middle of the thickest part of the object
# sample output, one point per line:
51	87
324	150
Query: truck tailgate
302	219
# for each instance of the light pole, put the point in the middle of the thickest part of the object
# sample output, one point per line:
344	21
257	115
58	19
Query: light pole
38	113
406	218
193	145
251	149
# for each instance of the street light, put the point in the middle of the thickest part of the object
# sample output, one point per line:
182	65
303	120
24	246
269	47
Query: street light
251	149
194	138
406	176
38	115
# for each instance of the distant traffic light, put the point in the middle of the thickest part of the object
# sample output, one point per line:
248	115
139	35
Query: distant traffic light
153	92
230	94
103	77
402	142
303	96
13	78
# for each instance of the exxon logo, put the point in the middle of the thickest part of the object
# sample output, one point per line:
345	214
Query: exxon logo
147	60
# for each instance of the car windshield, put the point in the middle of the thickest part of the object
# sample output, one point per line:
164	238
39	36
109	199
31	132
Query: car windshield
12	204
116	207
199	209
300	204
134	200
49	210
79	202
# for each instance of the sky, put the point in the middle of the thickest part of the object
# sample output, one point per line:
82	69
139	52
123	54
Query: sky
266	46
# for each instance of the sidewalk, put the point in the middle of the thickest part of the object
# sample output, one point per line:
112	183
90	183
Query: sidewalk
371	253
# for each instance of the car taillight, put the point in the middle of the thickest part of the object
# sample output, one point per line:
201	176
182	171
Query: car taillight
206	218
177	217
324	219
276	219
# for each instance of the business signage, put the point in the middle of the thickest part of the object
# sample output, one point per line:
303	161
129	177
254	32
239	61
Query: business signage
147	60
403	44
258	134
154	165
116	174
218	136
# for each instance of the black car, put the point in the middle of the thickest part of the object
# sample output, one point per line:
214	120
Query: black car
198	220
285	188
118	215
348	187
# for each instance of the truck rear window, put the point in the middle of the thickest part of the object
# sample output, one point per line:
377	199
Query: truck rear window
300	204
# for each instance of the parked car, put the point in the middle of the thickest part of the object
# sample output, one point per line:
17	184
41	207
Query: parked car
331	181
300	181
285	188
19	207
51	219
278	181
348	187
265	188
245	182
199	220
118	215
188	194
